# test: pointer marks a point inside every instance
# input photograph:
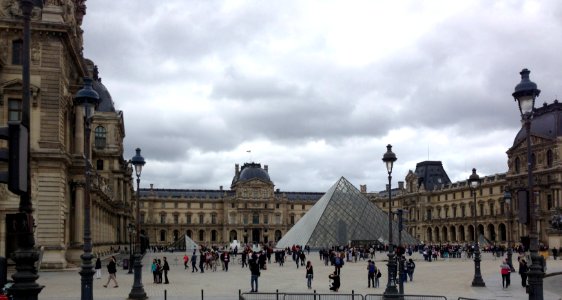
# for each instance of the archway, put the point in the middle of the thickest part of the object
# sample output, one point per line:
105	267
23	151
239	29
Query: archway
429	235
176	235
503	232
278	235
453	233
437	235
480	230
213	235
445	235
202	235
162	235
233	235
462	236
470	233
189	233
491	232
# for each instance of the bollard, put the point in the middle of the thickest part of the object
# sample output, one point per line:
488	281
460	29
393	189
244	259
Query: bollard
165	294
277	294
239	294
352	294
202	294
314	294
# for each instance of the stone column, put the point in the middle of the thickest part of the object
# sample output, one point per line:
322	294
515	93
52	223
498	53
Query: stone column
78	237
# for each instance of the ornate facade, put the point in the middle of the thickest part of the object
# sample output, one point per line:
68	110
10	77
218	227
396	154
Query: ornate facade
57	136
252	211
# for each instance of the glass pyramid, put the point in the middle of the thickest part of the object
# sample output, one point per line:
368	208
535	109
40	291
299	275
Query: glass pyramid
342	215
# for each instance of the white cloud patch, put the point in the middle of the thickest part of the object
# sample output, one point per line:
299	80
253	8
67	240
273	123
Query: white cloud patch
316	89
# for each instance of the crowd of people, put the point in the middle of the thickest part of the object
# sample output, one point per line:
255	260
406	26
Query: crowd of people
256	260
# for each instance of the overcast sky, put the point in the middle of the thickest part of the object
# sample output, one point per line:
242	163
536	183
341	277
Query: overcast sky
317	89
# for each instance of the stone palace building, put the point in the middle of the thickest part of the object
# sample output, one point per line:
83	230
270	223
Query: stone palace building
57	137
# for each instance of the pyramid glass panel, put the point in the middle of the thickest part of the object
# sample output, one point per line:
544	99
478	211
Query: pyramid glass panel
342	215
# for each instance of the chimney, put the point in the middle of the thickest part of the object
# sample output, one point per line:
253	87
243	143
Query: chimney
266	168
151	186
277	190
363	188
400	185
236	169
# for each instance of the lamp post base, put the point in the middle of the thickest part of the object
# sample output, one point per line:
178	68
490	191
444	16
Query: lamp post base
536	274
137	292
391	292
477	281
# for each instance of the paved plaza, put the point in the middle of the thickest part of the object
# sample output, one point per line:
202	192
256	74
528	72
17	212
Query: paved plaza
447	278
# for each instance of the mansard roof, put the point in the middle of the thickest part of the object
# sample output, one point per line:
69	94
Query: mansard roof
431	174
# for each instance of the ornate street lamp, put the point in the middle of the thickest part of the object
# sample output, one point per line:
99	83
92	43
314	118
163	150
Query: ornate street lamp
474	184
131	229
525	94
137	291
25	257
390	292
87	99
507	200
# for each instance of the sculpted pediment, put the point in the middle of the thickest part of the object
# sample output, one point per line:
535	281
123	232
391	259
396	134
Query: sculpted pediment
15	88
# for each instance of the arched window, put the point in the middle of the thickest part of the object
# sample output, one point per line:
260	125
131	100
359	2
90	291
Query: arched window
202	235
162	235
255	218
213	236
549	158
517	165
100	134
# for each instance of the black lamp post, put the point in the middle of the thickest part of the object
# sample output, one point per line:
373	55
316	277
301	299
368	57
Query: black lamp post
87	98
131	229
390	292
25	285
137	291
474	184
401	250
525	94
507	200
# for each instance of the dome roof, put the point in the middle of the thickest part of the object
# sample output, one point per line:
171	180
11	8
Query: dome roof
252	171
106	102
546	122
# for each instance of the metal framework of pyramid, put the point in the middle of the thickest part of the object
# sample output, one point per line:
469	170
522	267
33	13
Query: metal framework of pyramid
342	215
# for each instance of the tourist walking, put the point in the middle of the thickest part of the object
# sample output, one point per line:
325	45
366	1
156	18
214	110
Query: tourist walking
159	270
98	268
505	271
112	270
411	267
370	273
523	269
225	256
254	273
194	262
185	260
166	268
309	274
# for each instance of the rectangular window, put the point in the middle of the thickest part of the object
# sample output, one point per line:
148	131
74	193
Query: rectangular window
99	165
277	205
14	109
142	218
162	219
303	207
17	52
176	219
233	205
292	206
491	190
188	218
292	220
201	217
176	205
265	218
278	219
463	211
213	219
163	204
429	214
548	202
491	209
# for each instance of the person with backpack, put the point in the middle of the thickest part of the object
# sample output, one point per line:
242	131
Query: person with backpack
112	270
505	271
370	273
411	266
